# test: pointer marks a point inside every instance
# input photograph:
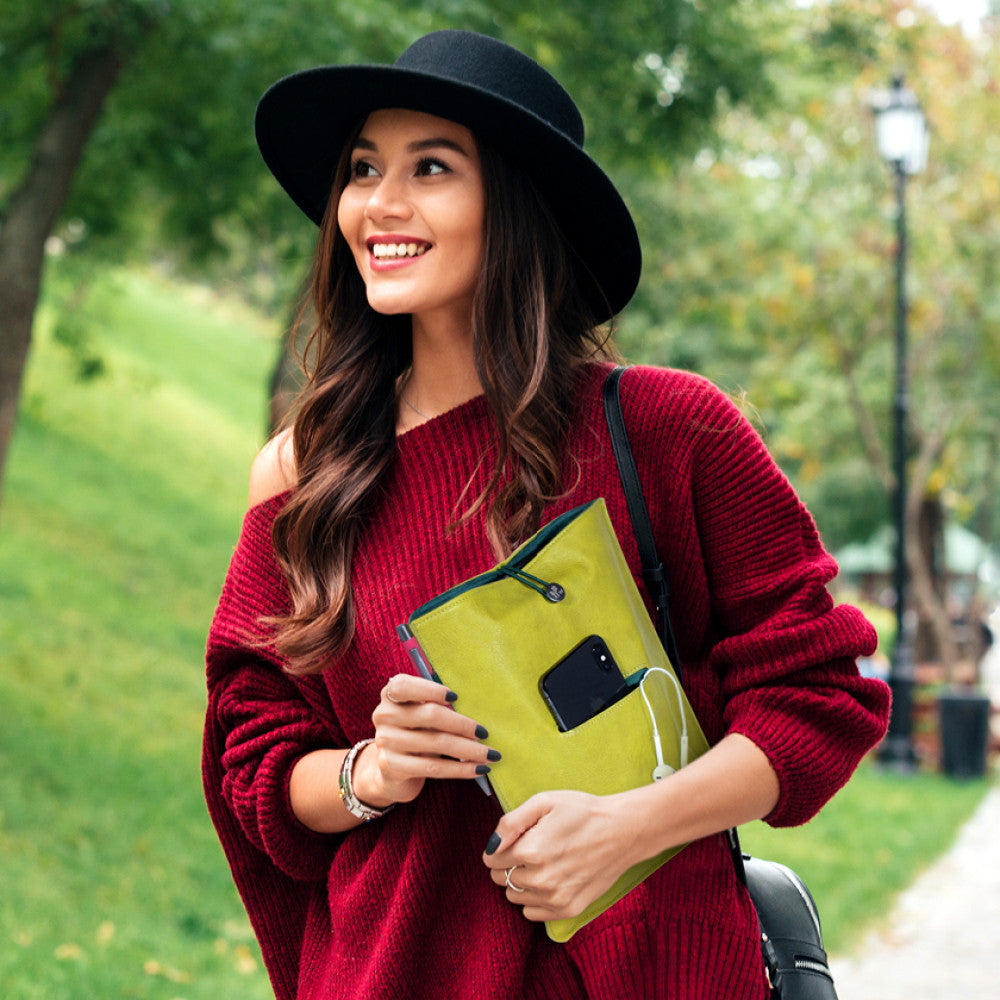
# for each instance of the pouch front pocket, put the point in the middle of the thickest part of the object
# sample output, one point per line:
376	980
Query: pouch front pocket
615	749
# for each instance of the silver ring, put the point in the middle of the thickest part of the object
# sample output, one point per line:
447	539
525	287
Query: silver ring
510	885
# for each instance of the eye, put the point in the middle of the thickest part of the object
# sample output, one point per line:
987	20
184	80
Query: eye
362	169
429	167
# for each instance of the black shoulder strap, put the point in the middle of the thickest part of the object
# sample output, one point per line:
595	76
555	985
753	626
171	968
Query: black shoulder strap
653	570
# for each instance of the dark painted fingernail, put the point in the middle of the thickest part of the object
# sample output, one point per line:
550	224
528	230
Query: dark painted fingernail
493	843
451	696
482	769
493	755
482	732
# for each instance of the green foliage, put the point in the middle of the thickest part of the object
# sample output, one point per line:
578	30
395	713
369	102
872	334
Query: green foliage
771	266
73	330
768	237
650	78
41	42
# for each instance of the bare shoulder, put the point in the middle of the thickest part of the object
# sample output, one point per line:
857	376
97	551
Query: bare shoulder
273	470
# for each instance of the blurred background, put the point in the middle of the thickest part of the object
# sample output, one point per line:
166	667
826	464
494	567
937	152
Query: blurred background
150	270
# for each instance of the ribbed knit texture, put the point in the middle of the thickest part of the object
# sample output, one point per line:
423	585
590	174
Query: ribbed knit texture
403	907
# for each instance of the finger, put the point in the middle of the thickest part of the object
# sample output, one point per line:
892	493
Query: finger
402	689
516	880
518	886
511	828
536	913
402	766
434	743
513	877
427	716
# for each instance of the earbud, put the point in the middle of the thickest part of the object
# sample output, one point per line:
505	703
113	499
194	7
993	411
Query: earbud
663	769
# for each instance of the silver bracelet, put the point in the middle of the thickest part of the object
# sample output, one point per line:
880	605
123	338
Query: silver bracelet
352	803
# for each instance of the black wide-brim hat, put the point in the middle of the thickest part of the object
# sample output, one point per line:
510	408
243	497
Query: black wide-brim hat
504	97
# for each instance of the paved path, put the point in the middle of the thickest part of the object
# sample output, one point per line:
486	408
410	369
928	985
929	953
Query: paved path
942	941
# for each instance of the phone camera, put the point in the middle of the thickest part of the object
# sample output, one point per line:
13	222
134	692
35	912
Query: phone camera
601	655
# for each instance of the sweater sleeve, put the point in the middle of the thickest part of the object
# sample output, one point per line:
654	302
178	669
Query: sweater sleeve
785	654
261	721
770	655
268	727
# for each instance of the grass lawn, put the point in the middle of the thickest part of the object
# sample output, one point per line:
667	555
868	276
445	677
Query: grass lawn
868	843
123	497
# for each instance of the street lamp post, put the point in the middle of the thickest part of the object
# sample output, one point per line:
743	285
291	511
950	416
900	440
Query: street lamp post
901	132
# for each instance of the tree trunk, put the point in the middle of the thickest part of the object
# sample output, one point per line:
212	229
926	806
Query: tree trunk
986	516
929	536
33	210
931	605
867	427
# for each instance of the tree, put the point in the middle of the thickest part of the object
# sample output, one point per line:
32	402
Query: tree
81	80
782	280
171	158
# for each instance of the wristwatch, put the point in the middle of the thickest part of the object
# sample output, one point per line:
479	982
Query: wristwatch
352	803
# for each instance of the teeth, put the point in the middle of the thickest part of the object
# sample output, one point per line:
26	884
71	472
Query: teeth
383	251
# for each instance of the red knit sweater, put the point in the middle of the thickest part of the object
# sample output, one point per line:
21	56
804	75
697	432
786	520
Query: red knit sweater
403	907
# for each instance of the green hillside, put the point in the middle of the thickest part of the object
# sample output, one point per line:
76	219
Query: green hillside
124	496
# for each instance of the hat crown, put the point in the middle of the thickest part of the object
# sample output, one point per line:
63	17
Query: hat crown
496	68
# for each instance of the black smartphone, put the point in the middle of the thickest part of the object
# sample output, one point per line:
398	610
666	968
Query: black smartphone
583	683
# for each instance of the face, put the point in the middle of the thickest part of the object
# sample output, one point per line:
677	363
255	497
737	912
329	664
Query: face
412	213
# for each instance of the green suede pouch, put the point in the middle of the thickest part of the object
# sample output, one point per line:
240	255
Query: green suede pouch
492	638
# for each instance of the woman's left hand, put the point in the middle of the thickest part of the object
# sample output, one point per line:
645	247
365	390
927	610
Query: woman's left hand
565	848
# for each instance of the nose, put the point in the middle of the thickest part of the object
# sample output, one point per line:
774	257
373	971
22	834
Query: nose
388	200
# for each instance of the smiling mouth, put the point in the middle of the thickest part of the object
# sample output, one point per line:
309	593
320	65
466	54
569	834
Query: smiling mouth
397	251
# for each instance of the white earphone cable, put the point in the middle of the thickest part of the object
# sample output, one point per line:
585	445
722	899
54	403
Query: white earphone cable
662	768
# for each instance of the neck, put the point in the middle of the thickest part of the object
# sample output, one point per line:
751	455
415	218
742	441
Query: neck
443	374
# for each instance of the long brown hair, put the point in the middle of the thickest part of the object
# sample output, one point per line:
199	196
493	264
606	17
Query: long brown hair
532	334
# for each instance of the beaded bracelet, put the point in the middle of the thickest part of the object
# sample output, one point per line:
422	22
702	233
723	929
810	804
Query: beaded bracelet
352	803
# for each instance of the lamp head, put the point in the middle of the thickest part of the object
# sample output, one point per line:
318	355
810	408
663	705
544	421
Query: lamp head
901	128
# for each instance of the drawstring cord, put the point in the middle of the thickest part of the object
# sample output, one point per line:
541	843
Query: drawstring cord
550	591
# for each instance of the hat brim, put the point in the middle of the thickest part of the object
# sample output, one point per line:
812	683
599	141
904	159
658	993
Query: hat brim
304	120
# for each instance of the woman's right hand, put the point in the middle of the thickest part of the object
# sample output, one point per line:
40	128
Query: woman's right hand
418	735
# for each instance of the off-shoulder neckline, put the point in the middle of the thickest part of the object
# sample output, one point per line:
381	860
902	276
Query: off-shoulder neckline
471	409
276	500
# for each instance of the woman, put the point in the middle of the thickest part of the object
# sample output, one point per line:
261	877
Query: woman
468	248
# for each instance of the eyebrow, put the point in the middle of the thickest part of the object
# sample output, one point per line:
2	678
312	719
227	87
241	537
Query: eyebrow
415	147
